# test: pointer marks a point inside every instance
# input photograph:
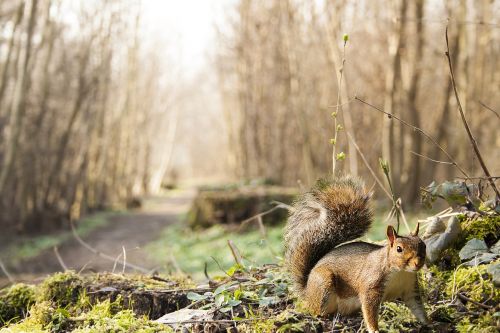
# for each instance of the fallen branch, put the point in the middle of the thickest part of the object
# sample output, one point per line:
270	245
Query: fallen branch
421	131
464	121
104	255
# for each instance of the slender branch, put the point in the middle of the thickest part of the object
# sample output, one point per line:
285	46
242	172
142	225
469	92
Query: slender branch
60	259
338	108
379	182
464	121
124	259
255	217
467	299
235	252
488	108
430	159
6	272
104	255
421	131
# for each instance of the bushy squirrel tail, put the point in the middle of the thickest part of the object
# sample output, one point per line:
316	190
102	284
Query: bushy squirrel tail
333	212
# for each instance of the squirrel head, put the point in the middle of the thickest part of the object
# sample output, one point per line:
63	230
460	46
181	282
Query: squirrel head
405	252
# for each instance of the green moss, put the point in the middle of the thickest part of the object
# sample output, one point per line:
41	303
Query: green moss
396	318
62	288
474	282
486	228
104	318
259	326
40	319
486	323
15	302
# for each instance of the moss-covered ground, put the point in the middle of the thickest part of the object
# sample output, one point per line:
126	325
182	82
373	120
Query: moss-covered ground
249	297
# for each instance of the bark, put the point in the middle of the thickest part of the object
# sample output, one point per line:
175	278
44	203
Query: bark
10	49
413	171
19	102
392	82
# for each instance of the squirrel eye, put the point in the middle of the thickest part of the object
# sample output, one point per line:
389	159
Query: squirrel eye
399	249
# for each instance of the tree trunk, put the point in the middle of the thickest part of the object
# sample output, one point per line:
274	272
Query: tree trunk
413	171
19	102
392	82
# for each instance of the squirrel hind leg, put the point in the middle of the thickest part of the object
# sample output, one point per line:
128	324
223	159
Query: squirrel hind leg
319	293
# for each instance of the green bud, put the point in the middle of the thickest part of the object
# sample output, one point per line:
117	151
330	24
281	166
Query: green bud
334	114
339	127
341	156
333	141
346	38
384	165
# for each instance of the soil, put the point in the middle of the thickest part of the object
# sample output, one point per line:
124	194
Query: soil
130	231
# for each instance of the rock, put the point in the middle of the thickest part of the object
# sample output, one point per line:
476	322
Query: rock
439	236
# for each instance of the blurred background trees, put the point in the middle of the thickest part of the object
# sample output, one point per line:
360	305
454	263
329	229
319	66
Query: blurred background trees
81	104
279	74
92	114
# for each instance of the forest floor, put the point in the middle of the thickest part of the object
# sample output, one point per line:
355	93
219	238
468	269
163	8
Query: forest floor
130	230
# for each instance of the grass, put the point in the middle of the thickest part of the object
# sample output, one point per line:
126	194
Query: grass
29	247
192	250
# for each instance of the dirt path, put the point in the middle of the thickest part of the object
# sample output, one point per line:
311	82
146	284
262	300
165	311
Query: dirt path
131	231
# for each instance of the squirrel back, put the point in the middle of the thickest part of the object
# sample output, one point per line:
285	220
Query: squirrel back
333	212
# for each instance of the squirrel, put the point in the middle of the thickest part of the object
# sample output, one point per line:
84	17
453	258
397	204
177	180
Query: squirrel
332	277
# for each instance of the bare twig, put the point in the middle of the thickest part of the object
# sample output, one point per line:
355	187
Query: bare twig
174	261
417	129
220	267
6	272
262	228
124	259
255	217
464	121
430	159
379	182
488	108
338	109
116	260
104	255
235	252
467	299
60	259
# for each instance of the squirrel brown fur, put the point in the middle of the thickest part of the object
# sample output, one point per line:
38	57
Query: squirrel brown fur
332	277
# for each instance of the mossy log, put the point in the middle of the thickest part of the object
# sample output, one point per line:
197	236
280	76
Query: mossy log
231	206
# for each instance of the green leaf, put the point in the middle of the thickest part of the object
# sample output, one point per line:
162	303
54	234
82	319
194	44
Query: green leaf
233	302
220	289
195	296
341	156
266	301
237	294
473	248
219	300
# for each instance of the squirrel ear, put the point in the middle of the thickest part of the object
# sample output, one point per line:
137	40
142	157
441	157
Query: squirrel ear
415	232
391	234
